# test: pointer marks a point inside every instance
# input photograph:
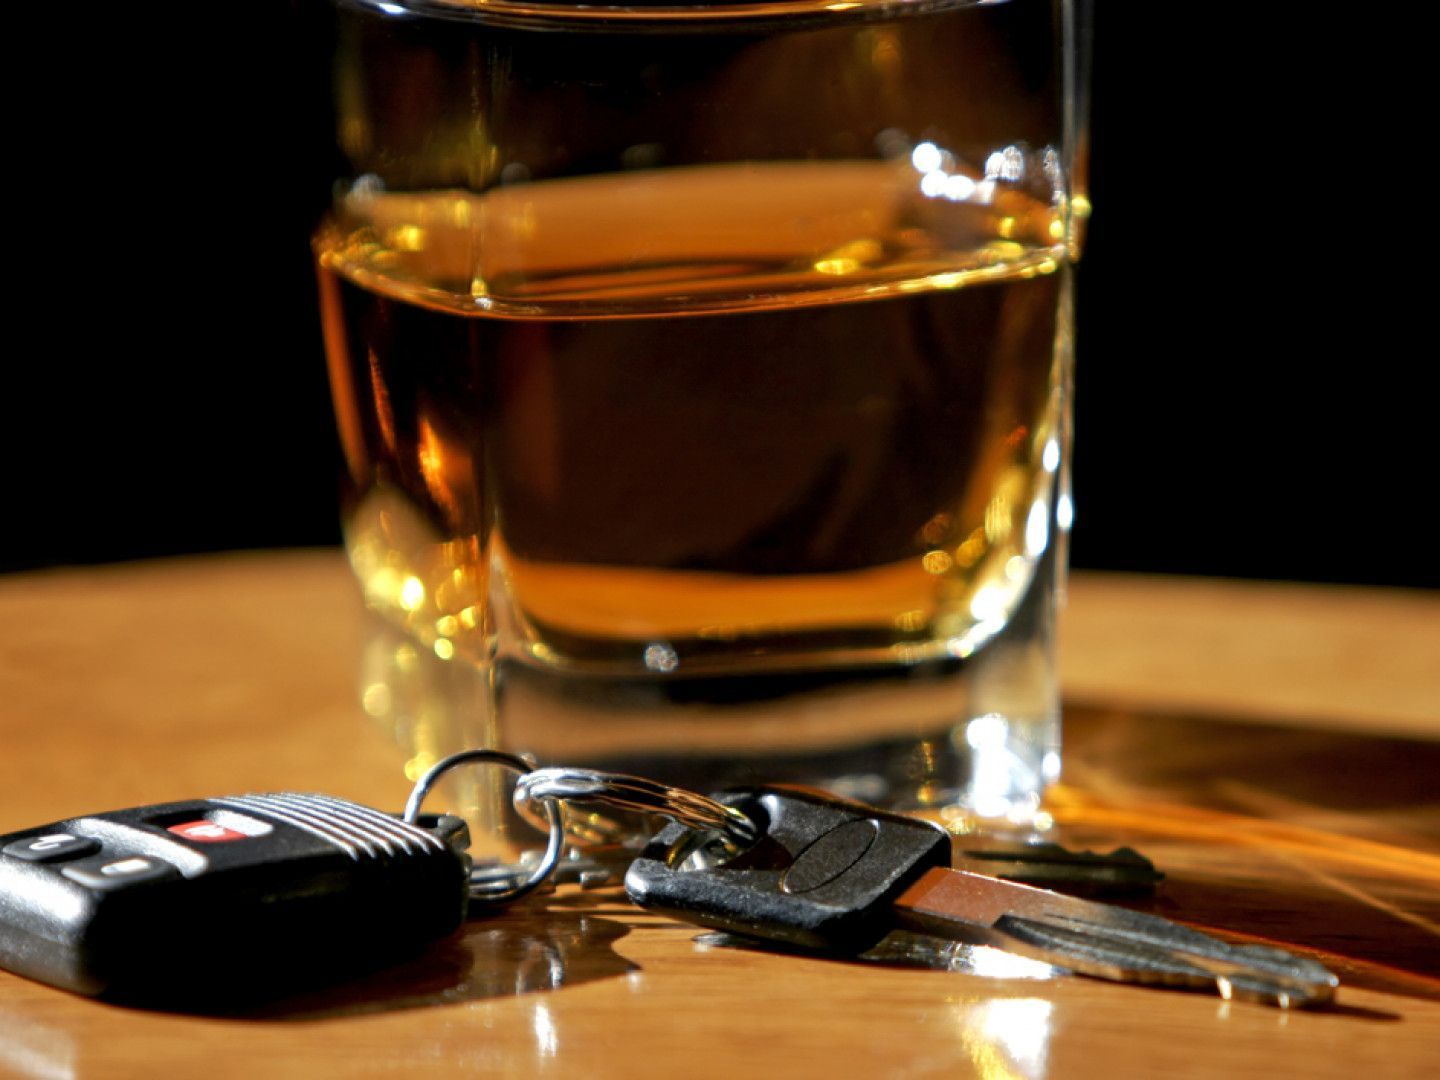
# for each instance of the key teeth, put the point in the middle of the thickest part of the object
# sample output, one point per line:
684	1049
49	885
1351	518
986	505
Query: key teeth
1319	982
1274	976
1084	948
1283	995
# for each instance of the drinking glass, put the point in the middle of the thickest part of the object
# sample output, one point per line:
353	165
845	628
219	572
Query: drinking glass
703	376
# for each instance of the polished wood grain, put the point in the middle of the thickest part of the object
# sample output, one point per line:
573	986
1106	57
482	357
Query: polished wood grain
1316	655
1273	748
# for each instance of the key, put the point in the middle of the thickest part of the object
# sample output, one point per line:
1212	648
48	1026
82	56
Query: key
225	897
832	875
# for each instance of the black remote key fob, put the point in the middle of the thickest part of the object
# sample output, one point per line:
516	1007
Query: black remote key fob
225	898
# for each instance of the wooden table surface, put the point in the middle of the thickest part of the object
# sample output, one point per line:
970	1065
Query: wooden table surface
1275	749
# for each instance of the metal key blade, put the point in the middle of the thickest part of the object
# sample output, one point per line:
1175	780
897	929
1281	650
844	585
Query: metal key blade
1105	941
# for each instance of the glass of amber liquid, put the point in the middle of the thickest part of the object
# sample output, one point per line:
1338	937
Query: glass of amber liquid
703	375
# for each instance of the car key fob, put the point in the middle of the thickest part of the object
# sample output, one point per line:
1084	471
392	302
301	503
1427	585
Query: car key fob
225	897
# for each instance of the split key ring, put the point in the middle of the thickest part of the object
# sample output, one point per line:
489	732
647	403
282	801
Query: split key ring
552	786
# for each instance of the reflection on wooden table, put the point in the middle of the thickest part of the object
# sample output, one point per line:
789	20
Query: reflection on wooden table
1305	822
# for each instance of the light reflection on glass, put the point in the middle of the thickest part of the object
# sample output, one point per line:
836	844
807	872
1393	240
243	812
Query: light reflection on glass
986	732
384	417
987	603
911	620
661	657
959	187
925	157
406	238
961	647
1037	529
1050	766
1010	180
998	772
375	699
970	551
412	593
1007	164
1064	512
937	562
886	53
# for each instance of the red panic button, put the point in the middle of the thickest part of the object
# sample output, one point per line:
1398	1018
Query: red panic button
206	832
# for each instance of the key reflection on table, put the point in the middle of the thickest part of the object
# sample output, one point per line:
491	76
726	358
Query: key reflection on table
31	1048
533	949
1002	1036
1008	1036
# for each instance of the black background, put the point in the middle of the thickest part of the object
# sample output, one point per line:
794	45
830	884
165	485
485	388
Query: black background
1256	356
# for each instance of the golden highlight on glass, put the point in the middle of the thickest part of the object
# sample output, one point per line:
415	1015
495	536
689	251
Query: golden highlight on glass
702	374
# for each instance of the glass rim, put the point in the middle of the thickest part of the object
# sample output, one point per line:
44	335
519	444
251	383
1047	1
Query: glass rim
617	15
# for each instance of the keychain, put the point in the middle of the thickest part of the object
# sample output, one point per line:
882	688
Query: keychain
229	896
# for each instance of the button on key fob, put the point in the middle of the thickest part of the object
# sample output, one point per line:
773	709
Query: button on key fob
225	897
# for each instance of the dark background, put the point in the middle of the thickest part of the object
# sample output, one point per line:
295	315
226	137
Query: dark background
1255	376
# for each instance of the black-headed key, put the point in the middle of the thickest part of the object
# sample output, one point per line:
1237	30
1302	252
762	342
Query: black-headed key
835	875
225	898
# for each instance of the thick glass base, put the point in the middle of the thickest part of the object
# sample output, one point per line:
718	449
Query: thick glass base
971	743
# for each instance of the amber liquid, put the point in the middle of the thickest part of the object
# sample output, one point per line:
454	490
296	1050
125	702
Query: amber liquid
809	447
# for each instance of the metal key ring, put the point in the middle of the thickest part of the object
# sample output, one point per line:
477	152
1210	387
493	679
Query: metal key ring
633	793
553	848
